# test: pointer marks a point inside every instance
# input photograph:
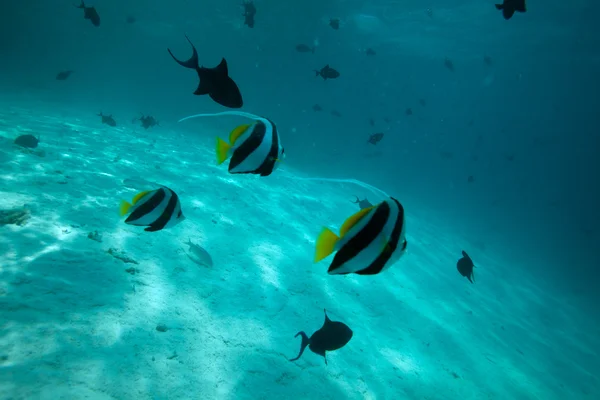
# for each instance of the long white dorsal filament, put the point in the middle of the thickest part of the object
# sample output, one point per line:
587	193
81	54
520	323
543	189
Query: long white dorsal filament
354	181
238	113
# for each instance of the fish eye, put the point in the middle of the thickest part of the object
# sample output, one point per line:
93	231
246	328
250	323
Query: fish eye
180	214
404	245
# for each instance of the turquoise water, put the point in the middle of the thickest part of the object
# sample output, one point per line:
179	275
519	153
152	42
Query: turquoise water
93	308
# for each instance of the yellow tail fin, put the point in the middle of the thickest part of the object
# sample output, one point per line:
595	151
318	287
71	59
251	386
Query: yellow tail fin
124	207
325	244
222	150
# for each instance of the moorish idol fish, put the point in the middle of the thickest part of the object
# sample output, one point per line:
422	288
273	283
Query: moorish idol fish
333	335
157	209
465	266
214	82
370	241
254	148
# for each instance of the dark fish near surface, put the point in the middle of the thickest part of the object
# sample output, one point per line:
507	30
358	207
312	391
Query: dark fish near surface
63	75
130	19
90	13
364	203
317	107
465	266
334	23
333	335
408	111
471	179
370	241
449	64
28	141
375	138
156	209
371	122
509	7
487	60
249	13
108	119
429	12
327	73
304	48
148	121
214	82
370	52
336	113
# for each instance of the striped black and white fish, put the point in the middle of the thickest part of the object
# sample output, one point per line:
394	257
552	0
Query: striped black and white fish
370	241
254	148
156	209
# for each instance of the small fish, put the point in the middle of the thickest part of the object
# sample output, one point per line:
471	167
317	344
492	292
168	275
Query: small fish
254	148
63	75
336	113
147	121
370	241
317	107
449	64
371	122
429	12
249	13
90	13
422	102
327	73
108	119
201	256
157	209
364	203
509	157
408	111
487	60
386	120
214	82
304	48
471	179
334	23
465	267
370	52
28	141
375	138
333	335
509	7
130	19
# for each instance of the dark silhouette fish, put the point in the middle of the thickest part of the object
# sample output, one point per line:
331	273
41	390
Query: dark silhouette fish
327	73
370	52
465	266
317	107
471	179
249	13
375	138
304	48
334	23
130	19
214	82
422	102
487	60
336	113
147	121
364	203
509	7
108	119
63	75
408	111
449	64
28	141
371	122
429	12
333	335
90	13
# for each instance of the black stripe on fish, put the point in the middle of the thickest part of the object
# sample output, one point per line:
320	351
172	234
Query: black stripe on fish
249	146
363	238
147	207
167	214
266	168
377	265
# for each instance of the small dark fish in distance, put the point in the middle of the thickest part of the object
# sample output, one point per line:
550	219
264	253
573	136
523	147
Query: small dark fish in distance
130	19
487	60
333	335
63	75
509	7
375	138
317	108
334	23
90	13
327	73
364	203
108	119
249	13
214	82
336	113
422	102
449	64
408	111
147	121
304	48
28	141
370	52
